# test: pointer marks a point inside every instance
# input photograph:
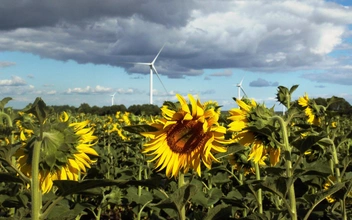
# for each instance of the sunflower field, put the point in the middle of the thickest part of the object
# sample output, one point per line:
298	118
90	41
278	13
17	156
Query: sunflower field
193	161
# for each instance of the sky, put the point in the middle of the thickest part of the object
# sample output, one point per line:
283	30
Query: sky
73	52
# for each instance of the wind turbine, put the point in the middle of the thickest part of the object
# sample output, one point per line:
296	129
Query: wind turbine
239	87
112	99
152	69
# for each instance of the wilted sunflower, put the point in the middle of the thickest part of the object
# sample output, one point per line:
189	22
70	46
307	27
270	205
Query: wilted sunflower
185	136
241	119
64	154
308	110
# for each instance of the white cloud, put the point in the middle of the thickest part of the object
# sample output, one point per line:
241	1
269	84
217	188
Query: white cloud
226	72
14	81
128	91
89	90
52	92
6	64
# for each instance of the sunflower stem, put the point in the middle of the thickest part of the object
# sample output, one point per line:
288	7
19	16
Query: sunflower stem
288	163
181	182
335	159
241	175
259	192
35	190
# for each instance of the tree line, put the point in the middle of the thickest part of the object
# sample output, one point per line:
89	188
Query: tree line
144	109
340	105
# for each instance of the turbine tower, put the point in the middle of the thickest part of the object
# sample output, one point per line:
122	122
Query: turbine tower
153	69
112	99
239	87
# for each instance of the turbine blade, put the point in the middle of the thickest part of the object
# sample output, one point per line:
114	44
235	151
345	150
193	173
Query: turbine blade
243	91
157	74
158	54
240	84
139	63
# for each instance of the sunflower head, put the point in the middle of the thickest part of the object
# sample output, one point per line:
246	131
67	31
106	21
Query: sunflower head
240	163
312	110
249	126
63	117
65	152
186	135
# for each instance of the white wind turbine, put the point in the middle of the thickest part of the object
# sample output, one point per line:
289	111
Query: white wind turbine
112	99
239	87
152	69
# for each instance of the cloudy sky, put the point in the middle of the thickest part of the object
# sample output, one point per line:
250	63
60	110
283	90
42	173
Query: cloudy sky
73	52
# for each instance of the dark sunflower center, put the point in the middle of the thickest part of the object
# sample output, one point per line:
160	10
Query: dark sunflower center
185	137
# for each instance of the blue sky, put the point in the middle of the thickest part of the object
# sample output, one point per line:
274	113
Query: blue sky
78	53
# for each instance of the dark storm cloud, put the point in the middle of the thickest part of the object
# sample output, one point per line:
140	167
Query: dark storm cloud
276	36
34	14
262	83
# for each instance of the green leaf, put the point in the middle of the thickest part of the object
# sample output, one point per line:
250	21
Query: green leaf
6	152
307	143
132	196
277	186
21	200
39	109
137	129
220	212
314	199
9	178
68	187
200	199
214	196
179	198
293	88
220	178
3	102
183	195
63	211
231	149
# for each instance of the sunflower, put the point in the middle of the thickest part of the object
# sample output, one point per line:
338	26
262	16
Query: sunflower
308	110
241	119
240	163
65	153
116	127
185	136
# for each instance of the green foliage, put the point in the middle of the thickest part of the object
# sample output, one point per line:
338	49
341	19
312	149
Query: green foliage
123	183
3	102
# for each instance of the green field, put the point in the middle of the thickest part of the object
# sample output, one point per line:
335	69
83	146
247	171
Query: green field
191	160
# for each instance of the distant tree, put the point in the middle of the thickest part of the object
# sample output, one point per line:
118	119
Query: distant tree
118	108
145	109
148	109
339	104
135	109
84	108
95	110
